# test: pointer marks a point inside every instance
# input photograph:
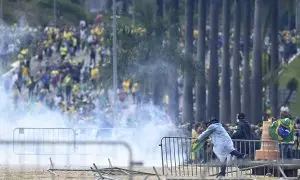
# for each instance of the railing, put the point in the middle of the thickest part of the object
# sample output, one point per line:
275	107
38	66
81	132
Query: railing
44	135
178	160
15	166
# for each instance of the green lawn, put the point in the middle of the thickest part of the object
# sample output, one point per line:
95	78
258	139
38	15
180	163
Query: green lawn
292	70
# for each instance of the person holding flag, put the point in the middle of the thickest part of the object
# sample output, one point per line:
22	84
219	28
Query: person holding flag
222	143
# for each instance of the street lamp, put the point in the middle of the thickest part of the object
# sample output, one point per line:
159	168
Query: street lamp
115	73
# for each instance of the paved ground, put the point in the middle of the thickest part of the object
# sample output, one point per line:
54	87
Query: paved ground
44	174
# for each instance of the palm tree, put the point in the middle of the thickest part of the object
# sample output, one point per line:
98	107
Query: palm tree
160	8
213	73
173	108
256	94
290	4
274	57
225	83
297	6
246	102
157	81
188	67
125	6
200	76
235	86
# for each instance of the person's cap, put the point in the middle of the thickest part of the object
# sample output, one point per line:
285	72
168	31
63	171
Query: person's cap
241	116
212	121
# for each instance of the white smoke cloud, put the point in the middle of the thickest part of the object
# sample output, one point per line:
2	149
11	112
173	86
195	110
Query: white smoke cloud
151	124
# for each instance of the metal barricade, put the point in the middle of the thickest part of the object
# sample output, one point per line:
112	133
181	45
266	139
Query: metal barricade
178	160
42	135
104	133
291	150
14	169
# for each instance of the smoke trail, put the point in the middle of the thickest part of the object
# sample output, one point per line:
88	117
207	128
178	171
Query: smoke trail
142	126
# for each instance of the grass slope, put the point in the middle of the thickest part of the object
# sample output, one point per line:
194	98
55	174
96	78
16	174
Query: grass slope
292	70
40	12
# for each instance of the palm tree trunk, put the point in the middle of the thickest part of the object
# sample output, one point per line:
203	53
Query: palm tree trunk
287	99
188	67
173	108
290	14
297	6
256	94
225	83
125	7
274	57
200	76
235	87
160	8
246	103
158	74
213	73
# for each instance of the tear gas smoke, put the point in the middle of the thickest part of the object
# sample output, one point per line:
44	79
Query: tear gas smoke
142	126
151	125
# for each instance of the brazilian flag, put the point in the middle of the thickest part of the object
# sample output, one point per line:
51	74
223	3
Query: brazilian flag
198	145
282	130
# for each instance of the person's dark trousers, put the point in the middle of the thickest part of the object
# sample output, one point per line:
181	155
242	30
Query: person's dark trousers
286	151
68	93
30	92
93	61
47	86
235	153
223	170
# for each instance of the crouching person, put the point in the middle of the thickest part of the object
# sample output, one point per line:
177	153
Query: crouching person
222	143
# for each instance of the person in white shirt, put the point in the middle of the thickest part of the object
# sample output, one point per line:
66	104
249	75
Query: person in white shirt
284	108
222	143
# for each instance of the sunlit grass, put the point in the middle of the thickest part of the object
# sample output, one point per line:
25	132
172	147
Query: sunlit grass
292	70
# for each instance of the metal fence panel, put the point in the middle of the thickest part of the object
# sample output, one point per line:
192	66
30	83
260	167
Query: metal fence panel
42	135
103	133
178	160
99	134
25	168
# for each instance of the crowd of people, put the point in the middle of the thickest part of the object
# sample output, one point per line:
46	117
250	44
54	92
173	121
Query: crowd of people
61	68
62	71
243	130
288	43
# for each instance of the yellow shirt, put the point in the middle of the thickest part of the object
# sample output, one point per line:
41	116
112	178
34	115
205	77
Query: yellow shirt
65	35
166	99
54	73
94	73
25	71
126	85
76	89
194	135
24	51
67	80
74	41
63	51
20	57
135	87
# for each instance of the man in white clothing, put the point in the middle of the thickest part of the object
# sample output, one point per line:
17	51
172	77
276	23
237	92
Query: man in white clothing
222	143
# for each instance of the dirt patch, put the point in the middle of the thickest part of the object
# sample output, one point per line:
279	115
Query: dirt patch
44	174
